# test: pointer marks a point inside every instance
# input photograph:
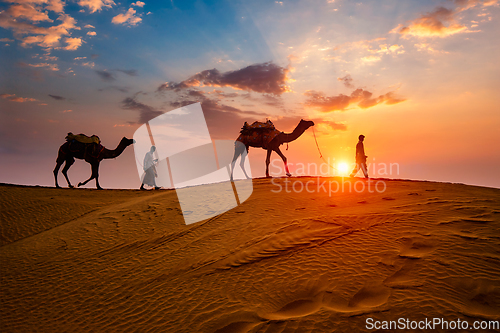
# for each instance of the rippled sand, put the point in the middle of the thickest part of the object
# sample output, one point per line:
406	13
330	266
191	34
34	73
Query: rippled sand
123	260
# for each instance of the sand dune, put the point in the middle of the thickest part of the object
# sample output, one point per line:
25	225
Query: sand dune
123	260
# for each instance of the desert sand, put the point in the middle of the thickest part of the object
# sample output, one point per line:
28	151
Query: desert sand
82	260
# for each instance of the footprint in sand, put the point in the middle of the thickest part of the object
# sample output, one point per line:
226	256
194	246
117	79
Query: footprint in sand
297	308
388	198
370	296
363	202
239	322
237	327
416	248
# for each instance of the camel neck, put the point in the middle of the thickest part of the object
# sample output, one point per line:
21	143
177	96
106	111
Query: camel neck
297	132
107	153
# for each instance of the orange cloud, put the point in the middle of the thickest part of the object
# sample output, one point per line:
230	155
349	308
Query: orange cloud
96	5
72	44
138	4
467	4
127	18
19	16
28	12
361	98
13	98
439	23
52	67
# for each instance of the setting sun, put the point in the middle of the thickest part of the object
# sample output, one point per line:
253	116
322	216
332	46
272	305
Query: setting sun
343	168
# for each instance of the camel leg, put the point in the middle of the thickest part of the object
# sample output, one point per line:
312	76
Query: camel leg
238	150
278	151
95	174
69	163
97	177
56	170
237	153
268	160
242	165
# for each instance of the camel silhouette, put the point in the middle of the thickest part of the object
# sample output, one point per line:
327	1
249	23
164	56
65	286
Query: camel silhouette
273	145
91	153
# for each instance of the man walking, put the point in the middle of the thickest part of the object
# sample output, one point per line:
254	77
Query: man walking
360	158
149	170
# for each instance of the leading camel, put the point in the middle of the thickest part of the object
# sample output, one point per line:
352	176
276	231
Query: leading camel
274	145
91	153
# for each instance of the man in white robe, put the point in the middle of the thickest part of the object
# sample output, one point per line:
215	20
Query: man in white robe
149	170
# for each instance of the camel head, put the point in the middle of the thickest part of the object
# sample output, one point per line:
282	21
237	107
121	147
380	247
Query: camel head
306	123
126	142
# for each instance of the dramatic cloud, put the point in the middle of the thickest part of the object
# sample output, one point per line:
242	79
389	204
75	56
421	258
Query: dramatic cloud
138	4
22	20
91	33
89	26
359	97
263	78
146	112
59	98
105	75
96	5
13	98
439	23
128	18
346	80
442	21
27	12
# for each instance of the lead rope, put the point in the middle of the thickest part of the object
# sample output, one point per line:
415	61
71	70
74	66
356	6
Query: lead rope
319	151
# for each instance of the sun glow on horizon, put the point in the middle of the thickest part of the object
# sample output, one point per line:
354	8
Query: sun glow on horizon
343	168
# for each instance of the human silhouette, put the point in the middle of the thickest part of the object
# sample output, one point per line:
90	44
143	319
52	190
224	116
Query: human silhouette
149	170
360	158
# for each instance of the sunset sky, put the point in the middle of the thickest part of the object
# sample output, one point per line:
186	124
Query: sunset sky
420	79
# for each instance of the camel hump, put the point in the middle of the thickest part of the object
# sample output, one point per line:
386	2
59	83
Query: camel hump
83	138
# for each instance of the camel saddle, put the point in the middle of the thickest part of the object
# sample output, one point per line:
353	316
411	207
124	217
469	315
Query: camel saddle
83	138
258	134
257	126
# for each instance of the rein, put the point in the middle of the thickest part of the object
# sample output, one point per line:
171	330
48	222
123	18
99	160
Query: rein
319	151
